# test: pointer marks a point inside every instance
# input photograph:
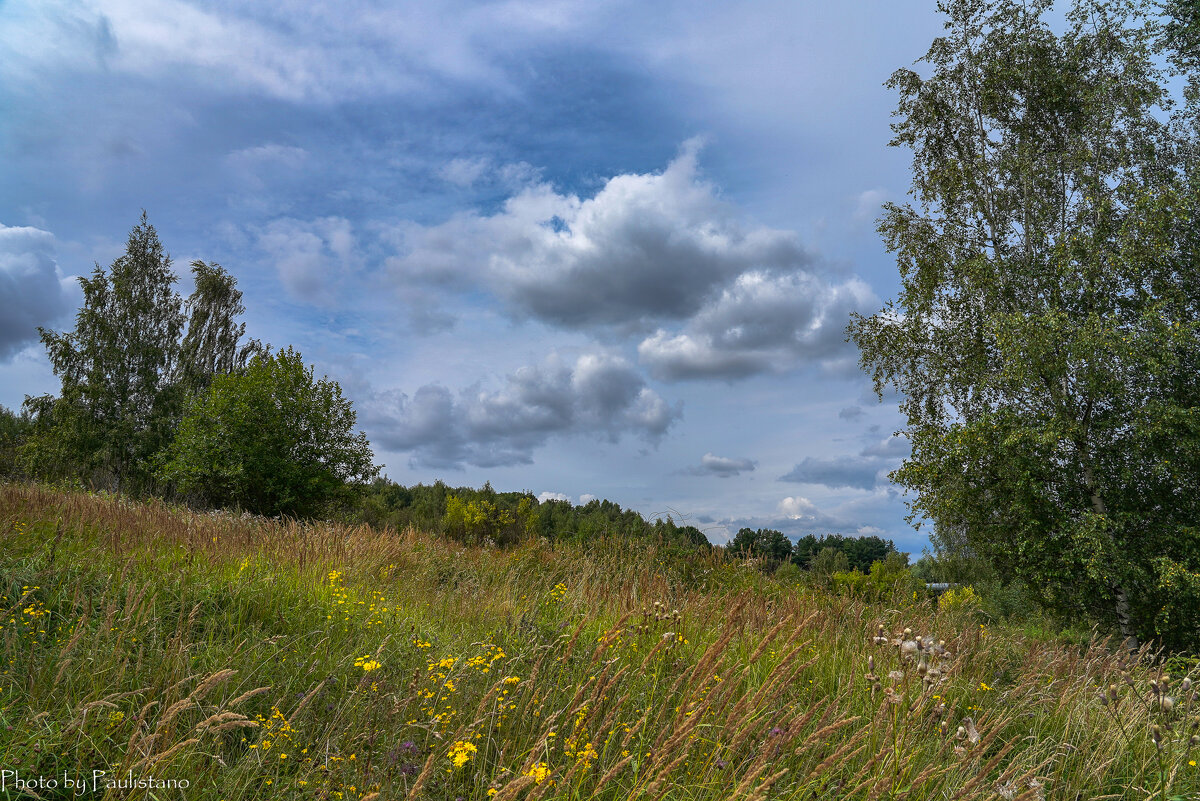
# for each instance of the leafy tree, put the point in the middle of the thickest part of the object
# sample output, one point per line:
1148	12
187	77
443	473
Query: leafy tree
764	543
272	440
860	552
1047	335
828	561
212	345
126	373
14	429
113	414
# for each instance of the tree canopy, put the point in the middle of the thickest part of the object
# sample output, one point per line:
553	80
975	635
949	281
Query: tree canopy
270	438
1046	338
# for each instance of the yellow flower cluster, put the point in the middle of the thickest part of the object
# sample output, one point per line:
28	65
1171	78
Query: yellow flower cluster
367	663
461	753
540	772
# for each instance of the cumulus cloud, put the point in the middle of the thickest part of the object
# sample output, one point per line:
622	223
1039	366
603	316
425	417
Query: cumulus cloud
796	507
310	257
552	496
721	466
761	323
645	248
597	394
865	471
32	290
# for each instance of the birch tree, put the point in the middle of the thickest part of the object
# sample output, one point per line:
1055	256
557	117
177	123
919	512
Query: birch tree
1046	338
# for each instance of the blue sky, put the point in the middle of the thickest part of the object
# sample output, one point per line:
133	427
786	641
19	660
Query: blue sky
579	248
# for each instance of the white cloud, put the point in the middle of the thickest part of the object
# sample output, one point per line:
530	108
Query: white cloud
869	204
552	496
310	257
294	51
797	508
586	498
33	292
464	172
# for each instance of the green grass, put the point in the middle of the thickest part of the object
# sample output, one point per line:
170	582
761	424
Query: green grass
258	659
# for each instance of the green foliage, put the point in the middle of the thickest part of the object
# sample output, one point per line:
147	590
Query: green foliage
126	372
480	520
450	510
829	561
861	552
1045	339
763	543
272	440
14	429
959	599
115	410
887	578
212	345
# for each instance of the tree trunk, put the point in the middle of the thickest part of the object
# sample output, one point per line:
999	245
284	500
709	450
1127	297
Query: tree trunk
1124	619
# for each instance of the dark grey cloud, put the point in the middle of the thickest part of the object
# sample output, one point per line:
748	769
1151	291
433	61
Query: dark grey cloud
32	291
865	471
760	323
597	395
851	413
842	471
892	448
644	249
720	466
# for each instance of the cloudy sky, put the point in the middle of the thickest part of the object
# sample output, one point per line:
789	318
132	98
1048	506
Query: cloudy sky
588	248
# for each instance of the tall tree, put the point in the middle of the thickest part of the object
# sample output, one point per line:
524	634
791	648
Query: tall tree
1046	337
113	414
212	345
126	373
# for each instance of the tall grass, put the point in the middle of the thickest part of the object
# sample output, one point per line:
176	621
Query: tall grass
254	658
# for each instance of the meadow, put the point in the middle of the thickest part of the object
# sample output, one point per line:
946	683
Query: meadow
255	658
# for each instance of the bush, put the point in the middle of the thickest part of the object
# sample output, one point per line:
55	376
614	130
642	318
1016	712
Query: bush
271	440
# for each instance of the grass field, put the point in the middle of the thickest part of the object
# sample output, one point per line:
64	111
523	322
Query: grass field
259	659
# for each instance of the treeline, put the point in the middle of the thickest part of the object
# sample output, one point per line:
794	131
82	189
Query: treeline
484	516
830	553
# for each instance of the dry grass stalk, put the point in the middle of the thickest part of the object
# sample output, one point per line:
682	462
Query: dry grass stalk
610	773
765	786
510	790
423	776
843	754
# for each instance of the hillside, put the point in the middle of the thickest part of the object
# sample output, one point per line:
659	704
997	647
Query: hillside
212	657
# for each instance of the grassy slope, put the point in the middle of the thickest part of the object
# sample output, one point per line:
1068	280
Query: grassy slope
258	659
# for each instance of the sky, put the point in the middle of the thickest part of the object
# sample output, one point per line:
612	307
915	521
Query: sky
585	249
